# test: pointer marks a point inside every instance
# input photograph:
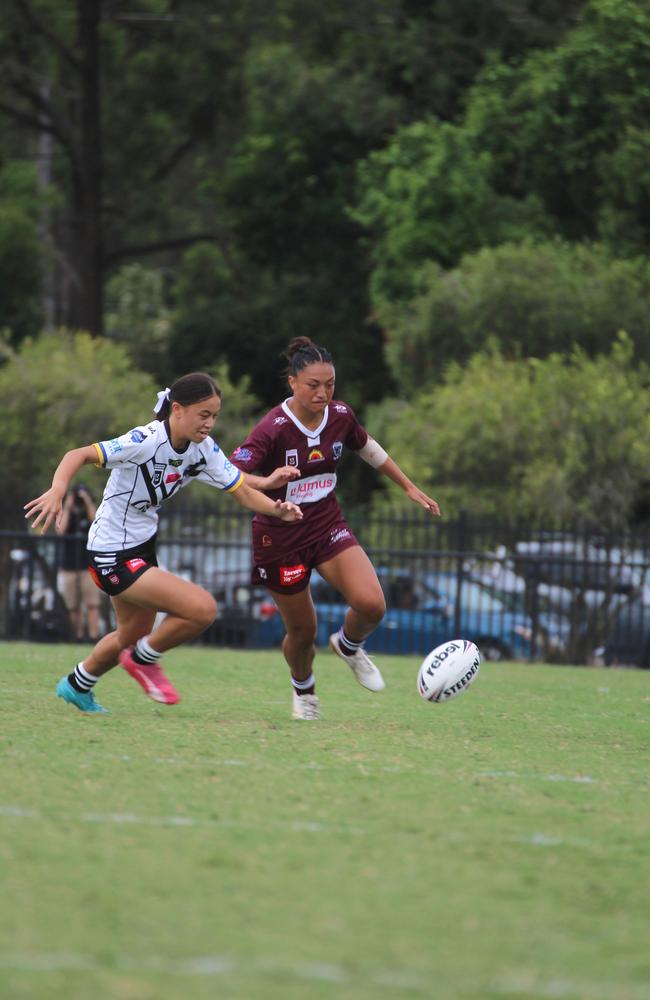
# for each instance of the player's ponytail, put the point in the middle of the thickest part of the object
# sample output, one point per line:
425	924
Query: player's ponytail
186	390
301	352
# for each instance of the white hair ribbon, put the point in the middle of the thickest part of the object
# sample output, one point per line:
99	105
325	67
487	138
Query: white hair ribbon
163	396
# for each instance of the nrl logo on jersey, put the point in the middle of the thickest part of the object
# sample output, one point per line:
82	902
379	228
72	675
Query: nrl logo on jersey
337	450
158	472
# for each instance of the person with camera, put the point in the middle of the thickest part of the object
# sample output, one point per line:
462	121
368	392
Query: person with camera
80	595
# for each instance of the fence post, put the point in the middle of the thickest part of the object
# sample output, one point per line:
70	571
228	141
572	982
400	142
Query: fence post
461	543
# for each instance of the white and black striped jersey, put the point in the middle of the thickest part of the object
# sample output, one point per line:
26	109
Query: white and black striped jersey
147	471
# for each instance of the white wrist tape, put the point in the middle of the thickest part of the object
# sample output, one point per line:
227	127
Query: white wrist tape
373	453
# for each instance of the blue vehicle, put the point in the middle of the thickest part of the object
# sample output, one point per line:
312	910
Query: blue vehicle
421	614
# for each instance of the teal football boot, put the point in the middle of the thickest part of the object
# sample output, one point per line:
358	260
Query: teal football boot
83	700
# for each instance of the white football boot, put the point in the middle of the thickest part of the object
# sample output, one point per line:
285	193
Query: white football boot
360	664
306	706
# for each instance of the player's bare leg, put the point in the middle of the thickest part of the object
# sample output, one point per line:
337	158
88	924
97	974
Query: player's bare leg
136	644
299	617
189	610
353	575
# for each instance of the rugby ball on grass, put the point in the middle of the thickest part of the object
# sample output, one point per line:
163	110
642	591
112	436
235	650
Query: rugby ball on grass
448	670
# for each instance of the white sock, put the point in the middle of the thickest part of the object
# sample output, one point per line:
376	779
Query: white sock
85	680
146	653
304	687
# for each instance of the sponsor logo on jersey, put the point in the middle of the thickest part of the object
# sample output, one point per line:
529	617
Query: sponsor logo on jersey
105	572
112	447
292	574
280	420
193	470
142	505
173	477
340	408
175	462
137	436
315	455
267	541
311	488
337	450
340	533
158	472
134	564
291	457
242	454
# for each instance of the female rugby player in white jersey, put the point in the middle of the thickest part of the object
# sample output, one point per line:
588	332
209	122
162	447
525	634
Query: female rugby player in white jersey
295	450
149	464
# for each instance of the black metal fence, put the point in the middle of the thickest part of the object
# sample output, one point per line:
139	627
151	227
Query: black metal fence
565	594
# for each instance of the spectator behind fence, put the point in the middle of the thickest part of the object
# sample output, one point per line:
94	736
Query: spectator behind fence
80	594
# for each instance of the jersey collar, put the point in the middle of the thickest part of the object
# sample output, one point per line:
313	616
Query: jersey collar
301	427
169	438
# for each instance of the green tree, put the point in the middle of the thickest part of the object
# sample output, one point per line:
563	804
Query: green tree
20	253
554	439
535	299
61	391
553	143
138	316
429	196
568	125
130	101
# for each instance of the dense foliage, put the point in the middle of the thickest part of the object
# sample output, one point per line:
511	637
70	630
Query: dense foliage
401	181
551	439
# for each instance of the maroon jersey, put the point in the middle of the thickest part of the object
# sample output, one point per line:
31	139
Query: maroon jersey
280	439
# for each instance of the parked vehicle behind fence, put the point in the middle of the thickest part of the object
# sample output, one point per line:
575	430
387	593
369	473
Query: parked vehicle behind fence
421	613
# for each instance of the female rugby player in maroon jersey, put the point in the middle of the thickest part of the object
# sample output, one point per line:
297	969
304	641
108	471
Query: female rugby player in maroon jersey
294	451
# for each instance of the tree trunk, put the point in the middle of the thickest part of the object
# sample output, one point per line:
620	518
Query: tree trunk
90	249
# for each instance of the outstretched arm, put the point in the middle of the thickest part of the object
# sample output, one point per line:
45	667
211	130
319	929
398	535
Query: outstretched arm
375	455
48	507
393	471
252	499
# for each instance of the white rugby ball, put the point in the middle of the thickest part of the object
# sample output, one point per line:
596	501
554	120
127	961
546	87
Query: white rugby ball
448	670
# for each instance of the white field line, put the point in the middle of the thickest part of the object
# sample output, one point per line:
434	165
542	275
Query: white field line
9	811
210	965
535	838
568	989
363	768
359	768
403	980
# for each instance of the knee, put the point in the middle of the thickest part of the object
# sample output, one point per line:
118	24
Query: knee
302	634
205	610
372	607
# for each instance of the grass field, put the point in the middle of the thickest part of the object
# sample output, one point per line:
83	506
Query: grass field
493	847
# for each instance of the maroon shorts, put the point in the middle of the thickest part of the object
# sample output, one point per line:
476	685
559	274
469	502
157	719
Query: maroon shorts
114	572
291	574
